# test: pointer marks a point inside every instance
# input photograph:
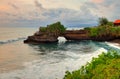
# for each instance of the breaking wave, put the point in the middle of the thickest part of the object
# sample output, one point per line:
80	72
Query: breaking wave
11	40
115	45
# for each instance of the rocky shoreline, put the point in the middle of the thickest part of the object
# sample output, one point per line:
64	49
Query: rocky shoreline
115	41
50	34
78	35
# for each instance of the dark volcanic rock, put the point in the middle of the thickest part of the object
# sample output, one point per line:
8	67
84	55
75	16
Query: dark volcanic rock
84	35
76	35
40	37
115	40
37	39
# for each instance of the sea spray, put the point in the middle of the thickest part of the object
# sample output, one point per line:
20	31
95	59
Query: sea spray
61	40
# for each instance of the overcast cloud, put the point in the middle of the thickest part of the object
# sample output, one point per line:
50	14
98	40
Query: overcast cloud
69	12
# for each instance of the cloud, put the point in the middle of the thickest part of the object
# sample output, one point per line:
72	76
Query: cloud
37	14
13	5
68	16
38	5
69	12
107	8
4	7
97	1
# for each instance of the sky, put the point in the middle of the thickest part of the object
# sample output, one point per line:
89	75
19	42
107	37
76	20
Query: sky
33	13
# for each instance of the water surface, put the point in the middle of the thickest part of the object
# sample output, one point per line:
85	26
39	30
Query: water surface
43	61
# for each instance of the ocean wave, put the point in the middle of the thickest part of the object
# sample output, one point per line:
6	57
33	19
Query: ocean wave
41	68
115	45
71	55
11	40
62	40
73	28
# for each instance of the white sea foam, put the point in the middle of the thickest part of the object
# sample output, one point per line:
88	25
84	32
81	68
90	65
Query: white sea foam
115	45
11	40
72	28
61	40
51	68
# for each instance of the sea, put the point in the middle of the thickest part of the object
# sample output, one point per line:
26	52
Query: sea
44	61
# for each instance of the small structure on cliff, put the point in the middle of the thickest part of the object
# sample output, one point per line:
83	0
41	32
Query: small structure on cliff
117	22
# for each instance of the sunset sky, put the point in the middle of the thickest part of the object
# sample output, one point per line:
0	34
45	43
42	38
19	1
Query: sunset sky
70	12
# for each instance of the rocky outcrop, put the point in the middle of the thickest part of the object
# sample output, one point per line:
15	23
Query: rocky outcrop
76	35
116	41
40	37
84	35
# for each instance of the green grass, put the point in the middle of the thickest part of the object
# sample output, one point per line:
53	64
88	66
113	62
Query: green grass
106	66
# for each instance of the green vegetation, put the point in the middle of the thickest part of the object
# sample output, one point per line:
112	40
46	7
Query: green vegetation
104	29
110	23
53	29
43	29
106	66
103	21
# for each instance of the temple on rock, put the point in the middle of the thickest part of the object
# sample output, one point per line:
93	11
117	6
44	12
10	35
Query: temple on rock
117	22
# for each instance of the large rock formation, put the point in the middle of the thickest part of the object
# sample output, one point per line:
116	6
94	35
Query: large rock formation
53	31
84	35
47	34
40	37
76	35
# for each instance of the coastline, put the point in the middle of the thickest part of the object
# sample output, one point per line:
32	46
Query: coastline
35	70
115	41
114	44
